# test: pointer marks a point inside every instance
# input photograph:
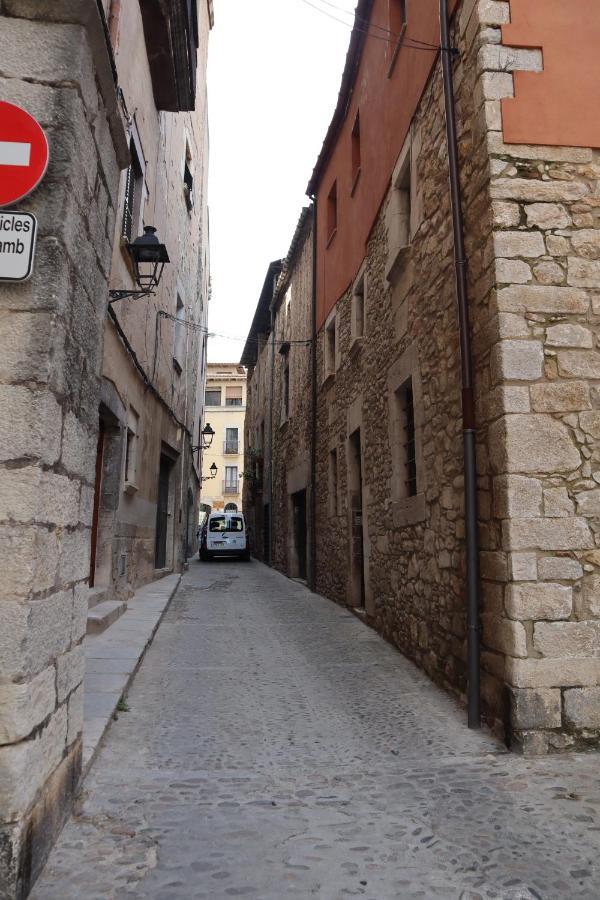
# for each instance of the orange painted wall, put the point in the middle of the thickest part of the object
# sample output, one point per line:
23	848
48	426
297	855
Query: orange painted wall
387	106
561	105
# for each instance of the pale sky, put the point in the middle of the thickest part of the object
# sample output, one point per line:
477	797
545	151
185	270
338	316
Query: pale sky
274	69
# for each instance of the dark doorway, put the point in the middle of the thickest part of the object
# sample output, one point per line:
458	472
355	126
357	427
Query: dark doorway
299	514
355	488
96	512
191	526
162	512
266	533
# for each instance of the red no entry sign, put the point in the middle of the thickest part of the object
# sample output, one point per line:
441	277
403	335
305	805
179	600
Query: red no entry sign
23	153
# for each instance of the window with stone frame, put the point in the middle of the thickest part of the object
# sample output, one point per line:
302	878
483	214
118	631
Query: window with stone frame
179	337
285	383
332	212
135	190
188	177
334	493
408	475
407	444
330	349
399	211
359	307
131	450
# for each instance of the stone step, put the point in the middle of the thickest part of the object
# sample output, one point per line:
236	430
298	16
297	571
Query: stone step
104	614
97	595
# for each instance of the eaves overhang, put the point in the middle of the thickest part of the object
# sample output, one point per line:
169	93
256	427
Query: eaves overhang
171	35
261	323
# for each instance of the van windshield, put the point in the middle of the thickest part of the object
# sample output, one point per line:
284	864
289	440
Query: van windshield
226	523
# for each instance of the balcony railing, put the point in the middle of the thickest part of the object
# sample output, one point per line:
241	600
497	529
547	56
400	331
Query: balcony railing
231	447
231	487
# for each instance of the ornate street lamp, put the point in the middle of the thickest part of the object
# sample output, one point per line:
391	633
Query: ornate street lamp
148	256
207	436
213	473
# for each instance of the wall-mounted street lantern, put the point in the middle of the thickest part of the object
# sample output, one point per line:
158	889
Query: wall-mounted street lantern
148	256
207	434
213	473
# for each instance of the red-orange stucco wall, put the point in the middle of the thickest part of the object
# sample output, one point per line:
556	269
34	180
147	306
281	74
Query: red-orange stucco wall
561	105
387	106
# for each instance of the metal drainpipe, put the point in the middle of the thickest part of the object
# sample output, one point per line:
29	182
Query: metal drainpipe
272	398
313	436
468	402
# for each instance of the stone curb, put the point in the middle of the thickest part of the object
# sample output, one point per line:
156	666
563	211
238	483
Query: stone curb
114	657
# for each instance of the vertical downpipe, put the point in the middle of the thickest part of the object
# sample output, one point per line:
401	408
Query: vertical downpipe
313	424
468	402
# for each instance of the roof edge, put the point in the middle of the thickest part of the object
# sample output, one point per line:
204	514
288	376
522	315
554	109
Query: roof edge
362	13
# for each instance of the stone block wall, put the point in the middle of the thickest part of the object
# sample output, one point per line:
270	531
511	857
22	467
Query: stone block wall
292	433
531	232
50	360
539	401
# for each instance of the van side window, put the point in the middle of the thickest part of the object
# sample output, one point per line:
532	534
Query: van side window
235	524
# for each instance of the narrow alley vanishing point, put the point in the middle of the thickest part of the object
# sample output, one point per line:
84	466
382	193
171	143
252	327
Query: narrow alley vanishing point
274	746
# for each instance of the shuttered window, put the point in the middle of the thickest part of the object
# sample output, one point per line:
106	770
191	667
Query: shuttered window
233	396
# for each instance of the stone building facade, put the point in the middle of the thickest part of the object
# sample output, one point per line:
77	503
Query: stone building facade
389	522
71	372
147	477
224	411
279	366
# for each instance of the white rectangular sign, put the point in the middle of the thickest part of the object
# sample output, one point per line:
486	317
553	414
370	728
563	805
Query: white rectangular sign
14	153
17	245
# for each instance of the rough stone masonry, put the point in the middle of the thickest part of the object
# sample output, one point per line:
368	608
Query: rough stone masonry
532	216
50	356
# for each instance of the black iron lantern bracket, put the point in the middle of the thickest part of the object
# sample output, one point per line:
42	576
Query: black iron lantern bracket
213	473
207	434
148	257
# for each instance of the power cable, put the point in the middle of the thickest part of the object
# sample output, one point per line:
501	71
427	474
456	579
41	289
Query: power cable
413	43
196	326
368	24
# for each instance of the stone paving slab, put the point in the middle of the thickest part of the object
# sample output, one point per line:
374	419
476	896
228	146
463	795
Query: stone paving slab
276	747
111	659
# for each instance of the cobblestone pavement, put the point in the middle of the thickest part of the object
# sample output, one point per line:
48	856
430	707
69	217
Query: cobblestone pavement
276	747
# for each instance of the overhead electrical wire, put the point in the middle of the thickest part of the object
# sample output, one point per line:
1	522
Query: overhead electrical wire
368	24
413	43
196	326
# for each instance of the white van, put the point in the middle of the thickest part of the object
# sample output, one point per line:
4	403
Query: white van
224	534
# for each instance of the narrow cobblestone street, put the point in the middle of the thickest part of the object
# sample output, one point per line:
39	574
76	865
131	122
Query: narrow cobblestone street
275	746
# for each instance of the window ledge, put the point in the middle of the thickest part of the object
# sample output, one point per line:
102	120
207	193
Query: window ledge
330	238
356	344
355	181
397	260
130	488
